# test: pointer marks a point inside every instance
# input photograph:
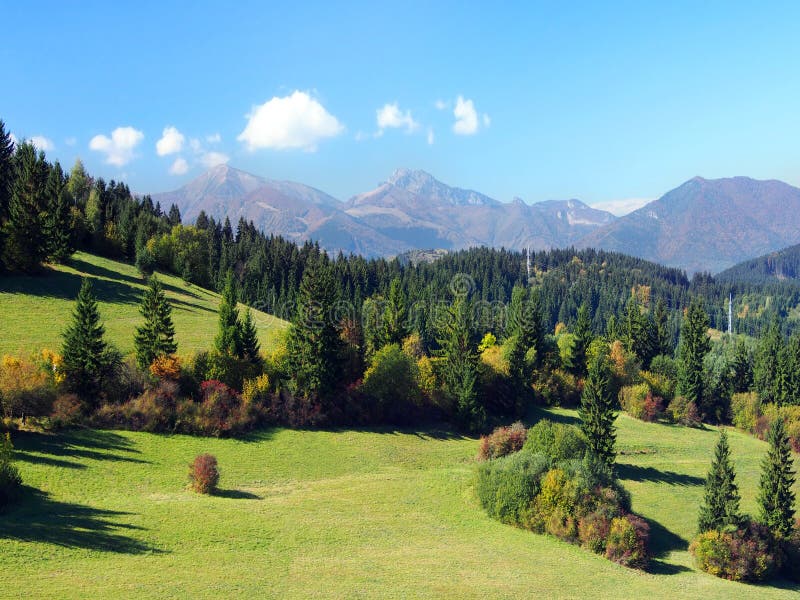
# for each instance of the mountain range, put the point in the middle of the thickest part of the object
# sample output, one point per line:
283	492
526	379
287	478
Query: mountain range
702	225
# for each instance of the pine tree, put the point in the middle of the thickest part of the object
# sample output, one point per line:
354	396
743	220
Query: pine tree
582	337
721	503
314	346
742	369
227	341
6	170
776	498
395	316
597	411
26	245
766	370
663	337
459	366
174	216
57	225
248	336
695	345
156	336
84	347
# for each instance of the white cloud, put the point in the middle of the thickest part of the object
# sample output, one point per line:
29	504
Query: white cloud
179	167
466	117
441	105
214	138
390	116
212	159
42	143
430	136
622	207
119	148
295	121
171	142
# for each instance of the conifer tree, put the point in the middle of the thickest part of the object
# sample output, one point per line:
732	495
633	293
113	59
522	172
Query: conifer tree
776	498
721	503
248	336
582	337
395	316
156	336
314	346
227	341
459	364
59	236
663	337
26	244
597	411
695	345
6	171
742	369
84	347
766	370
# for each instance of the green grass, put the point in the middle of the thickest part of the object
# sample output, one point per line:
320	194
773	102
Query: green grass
36	309
336	514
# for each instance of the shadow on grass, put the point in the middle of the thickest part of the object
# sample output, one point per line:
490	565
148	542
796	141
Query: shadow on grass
38	518
662	542
538	413
77	444
237	495
637	473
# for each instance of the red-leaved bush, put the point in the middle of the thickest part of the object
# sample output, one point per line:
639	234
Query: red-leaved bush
747	554
627	541
204	474
502	441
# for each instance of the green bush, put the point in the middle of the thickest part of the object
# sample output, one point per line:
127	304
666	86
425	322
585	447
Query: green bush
507	486
684	412
10	479
747	554
556	440
390	383
555	508
745	410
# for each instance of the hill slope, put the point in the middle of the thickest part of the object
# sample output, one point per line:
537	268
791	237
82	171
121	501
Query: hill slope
337	514
707	225
783	265
36	310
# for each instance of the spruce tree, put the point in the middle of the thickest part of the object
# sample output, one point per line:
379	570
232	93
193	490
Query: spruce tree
314	346
395	316
6	170
156	336
742	369
26	245
695	345
720	507
459	365
776	498
84	347
227	341
597	411
582	337
57	225
663	337
248	336
766	370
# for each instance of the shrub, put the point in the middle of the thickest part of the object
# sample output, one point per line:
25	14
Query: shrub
154	410
745	410
791	554
229	370
68	410
593	531
556	440
747	554
558	388
166	366
684	412
390	383
627	541
554	508
507	486
204	474
10	479
502	441
221	411
665	366
660	385
26	389
413	346
127	382
639	402
257	391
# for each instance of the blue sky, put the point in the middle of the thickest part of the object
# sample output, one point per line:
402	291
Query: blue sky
602	102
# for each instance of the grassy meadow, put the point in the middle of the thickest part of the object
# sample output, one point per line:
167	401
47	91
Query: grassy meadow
337	514
36	309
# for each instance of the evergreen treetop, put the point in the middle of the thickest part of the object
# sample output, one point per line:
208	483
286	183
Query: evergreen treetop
776	497
720	507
